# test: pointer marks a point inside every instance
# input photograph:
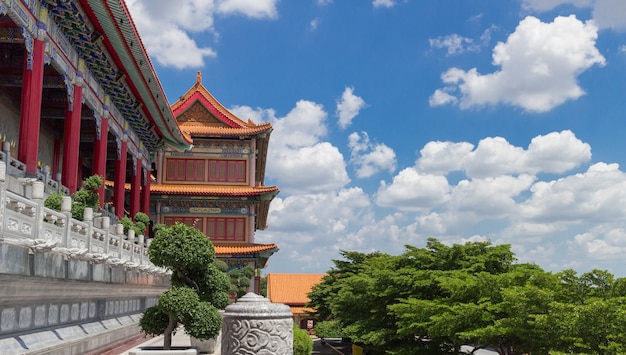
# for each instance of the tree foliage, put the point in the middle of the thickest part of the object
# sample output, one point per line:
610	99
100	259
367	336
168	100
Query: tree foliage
435	299
198	289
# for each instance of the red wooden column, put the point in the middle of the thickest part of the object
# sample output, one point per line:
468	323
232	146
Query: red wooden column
100	152
120	178
145	192
71	140
30	111
135	188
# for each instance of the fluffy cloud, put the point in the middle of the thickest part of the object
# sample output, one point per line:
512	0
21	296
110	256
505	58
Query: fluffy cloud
369	158
539	65
297	154
349	107
413	191
310	225
165	26
556	152
454	44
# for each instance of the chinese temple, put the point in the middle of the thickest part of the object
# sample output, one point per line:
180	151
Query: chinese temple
218	185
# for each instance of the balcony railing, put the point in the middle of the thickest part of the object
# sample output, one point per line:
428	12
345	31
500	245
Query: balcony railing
27	222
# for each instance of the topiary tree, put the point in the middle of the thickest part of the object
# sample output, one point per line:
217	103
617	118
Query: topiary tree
198	287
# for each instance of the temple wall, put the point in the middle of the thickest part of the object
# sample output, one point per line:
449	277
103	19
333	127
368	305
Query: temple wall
10	127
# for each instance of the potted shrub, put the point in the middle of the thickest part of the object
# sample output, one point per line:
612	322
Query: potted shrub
198	289
85	197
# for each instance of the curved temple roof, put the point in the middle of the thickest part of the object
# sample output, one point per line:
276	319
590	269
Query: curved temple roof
105	35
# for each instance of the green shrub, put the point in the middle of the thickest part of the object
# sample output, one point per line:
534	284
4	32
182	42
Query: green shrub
302	342
329	329
53	201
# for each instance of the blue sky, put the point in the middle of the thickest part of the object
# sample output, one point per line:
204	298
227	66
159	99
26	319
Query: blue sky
399	120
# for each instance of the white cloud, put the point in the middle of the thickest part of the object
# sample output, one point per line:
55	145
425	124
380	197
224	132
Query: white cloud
610	14
297	156
369	158
324	2
349	107
556	152
383	3
249	8
454	44
413	191
539	64
598	195
166	27
441	97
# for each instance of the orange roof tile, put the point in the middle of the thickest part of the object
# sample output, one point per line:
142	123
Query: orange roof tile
291	289
200	129
243	249
206	190
301	310
222	190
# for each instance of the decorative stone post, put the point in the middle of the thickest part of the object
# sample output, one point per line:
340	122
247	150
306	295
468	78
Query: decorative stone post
254	325
3	171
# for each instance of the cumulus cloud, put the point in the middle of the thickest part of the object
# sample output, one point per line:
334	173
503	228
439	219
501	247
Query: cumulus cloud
556	152
166	26
249	8
315	222
298	157
369	158
413	191
454	44
349	107
539	64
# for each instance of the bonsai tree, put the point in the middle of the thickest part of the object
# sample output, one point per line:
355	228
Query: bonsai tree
198	287
239	278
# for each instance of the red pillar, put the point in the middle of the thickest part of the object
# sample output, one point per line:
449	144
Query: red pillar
30	112
135	188
120	179
100	154
145	193
71	140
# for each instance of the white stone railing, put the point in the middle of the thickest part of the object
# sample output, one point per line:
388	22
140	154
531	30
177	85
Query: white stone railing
28	223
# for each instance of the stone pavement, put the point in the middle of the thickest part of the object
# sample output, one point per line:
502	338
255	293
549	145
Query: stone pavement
179	339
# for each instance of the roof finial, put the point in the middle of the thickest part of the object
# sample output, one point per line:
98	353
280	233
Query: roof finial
199	78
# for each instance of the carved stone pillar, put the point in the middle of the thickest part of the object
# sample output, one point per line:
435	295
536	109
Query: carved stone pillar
254	325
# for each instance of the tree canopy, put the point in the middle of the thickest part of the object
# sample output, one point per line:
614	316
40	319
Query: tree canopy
435	299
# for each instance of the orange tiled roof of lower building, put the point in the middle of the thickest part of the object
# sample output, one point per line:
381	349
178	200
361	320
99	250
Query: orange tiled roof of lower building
291	289
301	310
243	249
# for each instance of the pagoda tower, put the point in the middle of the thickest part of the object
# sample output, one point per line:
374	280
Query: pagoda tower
218	185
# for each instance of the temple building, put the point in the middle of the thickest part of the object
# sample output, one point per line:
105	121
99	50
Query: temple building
218	185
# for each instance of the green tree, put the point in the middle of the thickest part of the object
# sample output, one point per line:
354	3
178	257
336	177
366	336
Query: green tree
198	288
